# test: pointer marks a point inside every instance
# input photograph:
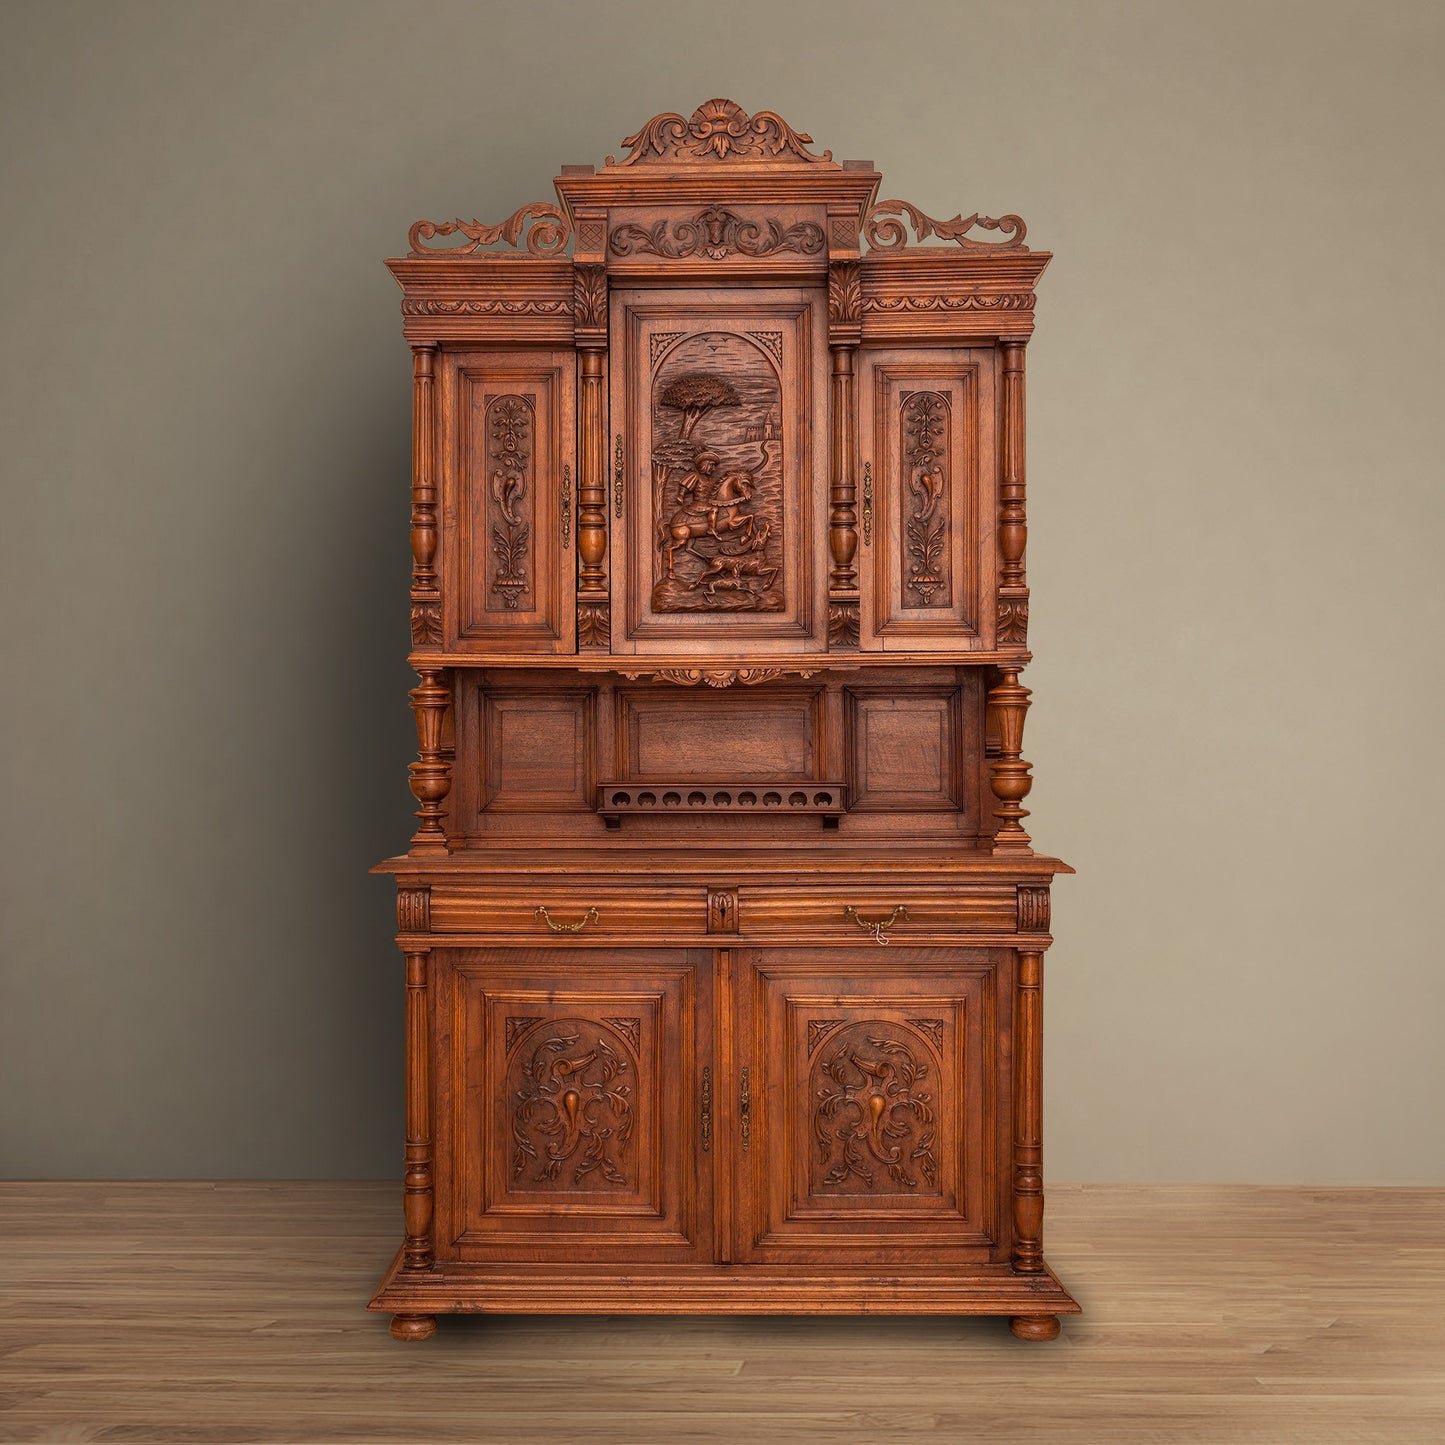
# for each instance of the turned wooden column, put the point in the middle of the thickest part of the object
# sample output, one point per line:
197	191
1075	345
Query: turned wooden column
1013	531
426	598
1009	775
594	617
431	774
1028	1054
417	1251
845	311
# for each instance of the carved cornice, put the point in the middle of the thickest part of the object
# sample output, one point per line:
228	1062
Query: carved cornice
494	306
717	233
547	235
718	130
973	301
884	230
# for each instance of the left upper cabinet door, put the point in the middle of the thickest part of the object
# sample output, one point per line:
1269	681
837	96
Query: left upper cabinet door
509	501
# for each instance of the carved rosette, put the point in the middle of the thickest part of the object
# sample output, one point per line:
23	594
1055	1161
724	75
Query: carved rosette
873	1121
717	233
718	130
924	426
571	1091
509	430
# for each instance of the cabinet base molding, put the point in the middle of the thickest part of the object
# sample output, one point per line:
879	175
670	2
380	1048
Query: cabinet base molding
1031	1301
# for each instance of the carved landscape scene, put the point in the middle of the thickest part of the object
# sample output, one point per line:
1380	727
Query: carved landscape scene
717	472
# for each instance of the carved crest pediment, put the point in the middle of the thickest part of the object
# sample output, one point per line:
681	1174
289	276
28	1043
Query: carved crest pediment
719	130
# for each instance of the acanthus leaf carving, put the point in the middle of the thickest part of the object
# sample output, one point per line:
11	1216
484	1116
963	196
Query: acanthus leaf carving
547	232
594	624
720	677
590	295
1013	620
964	301
718	130
483	306
426	624
884	230
717	233
843	624
516	1027
845	293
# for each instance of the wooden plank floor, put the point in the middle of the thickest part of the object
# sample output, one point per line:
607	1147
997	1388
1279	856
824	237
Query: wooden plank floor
223	1313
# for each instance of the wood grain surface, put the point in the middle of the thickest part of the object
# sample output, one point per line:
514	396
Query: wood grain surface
235	1312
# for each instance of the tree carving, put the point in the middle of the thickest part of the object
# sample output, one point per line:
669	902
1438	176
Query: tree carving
694	395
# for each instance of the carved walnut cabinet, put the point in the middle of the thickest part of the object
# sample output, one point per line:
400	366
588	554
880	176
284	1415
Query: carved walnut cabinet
723	935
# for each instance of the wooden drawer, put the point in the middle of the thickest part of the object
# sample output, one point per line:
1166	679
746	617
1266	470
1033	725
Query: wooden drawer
650	912
825	911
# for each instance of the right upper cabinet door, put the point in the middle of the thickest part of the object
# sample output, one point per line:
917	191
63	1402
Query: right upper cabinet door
927	519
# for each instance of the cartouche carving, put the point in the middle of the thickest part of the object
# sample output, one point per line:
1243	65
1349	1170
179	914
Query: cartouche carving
571	1106
716	233
870	1113
720	677
924	428
718	505
547	235
509	424
719	130
884	230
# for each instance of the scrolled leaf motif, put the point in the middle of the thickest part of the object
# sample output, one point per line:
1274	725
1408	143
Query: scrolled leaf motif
884	230
548	234
717	233
719	130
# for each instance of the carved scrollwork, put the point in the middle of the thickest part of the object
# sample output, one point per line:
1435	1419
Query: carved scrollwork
870	1115
547	234
884	230
924	425
719	130
717	233
572	1107
719	677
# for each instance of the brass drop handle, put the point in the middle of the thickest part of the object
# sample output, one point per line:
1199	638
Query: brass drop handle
619	475
867	504
745	1111
706	1109
566	504
876	926
591	916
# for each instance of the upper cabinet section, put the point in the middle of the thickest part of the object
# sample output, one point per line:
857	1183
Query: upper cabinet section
719	400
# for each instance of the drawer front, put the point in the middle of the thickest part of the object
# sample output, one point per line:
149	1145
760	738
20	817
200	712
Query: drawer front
887	912
576	912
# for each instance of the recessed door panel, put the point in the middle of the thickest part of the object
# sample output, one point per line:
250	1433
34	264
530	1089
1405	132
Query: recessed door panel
719	415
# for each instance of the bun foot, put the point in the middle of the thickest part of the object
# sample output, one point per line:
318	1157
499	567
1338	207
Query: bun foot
1030	1327
423	1327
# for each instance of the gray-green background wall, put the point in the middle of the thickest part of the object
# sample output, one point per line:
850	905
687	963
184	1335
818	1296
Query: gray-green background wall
1235	486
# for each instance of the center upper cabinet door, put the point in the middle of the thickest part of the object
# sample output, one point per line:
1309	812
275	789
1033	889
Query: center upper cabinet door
719	416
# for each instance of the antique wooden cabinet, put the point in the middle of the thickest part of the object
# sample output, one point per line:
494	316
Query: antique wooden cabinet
718	607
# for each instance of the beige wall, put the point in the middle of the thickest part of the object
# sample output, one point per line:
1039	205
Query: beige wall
1234	476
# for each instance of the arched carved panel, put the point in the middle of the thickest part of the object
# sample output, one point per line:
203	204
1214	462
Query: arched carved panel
571	1087
874	1112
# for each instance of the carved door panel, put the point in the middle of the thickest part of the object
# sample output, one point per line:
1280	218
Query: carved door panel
873	1112
577	1100
719	415
927	438
508	429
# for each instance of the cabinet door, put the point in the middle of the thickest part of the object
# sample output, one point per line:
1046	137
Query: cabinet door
927	564
508	426
719	409
874	1128
575	1104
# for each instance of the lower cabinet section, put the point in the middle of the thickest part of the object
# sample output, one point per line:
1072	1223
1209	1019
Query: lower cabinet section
784	1129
